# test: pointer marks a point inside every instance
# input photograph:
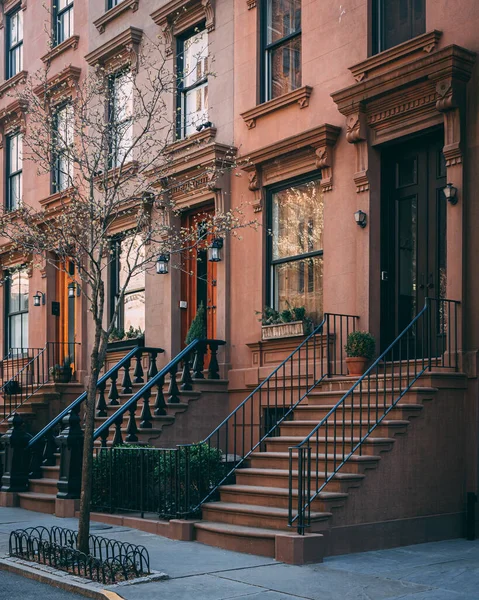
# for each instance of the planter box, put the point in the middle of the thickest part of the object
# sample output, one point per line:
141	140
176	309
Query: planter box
282	330
125	344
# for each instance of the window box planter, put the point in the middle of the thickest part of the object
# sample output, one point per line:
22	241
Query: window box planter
282	330
126	344
61	374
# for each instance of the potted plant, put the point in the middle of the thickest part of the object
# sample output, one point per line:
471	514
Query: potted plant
197	328
290	322
62	374
360	348
120	339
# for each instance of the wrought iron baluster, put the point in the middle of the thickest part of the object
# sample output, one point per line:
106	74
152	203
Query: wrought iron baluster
126	384
199	362
138	373
186	381
152	368
173	391
213	368
132	429
146	417
160	404
101	407
113	394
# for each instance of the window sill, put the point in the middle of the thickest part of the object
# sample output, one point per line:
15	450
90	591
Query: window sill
71	42
56	201
396	56
192	141
13	81
115	12
301	96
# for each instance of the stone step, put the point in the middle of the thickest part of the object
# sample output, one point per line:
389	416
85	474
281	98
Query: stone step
251	540
317	413
372	445
279	478
250	515
43	486
344	428
280	460
416	395
44	503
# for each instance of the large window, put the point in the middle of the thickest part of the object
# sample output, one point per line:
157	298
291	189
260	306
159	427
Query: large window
14	40
17	310
62	20
296	247
121	117
281	47
62	175
14	171
192	71
112	3
396	21
132	309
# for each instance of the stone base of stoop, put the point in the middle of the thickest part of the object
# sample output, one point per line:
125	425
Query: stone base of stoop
66	507
295	549
8	499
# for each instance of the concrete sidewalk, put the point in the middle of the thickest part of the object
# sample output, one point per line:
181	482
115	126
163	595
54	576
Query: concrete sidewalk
437	571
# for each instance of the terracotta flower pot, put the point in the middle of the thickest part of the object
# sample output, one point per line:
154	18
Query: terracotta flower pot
356	365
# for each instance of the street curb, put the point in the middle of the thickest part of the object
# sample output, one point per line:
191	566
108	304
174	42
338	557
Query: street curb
85	588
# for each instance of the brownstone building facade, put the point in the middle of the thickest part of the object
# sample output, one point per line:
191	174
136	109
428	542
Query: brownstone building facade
348	122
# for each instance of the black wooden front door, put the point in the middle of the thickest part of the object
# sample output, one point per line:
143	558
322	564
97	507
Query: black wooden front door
413	252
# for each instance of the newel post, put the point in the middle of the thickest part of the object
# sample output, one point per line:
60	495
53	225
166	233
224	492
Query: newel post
70	442
17	456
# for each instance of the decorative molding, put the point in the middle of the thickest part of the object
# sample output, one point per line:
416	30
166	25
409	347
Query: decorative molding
114	50
405	52
115	12
251	4
63	81
301	96
355	127
13	116
189	143
254	180
71	42
176	16
12	82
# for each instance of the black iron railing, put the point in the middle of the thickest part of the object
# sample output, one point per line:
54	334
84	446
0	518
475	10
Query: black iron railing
175	482
26	370
430	340
44	446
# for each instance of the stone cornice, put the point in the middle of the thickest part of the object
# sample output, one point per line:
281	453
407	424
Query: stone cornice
66	79
452	61
12	117
71	42
322	136
300	95
126	40
13	81
115	12
405	52
191	142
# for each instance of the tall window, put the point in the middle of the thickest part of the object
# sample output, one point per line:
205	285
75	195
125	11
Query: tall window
281	47
62	175
62	20
121	117
112	3
132	309
16	305
14	39
14	171
192	70
396	21
296	247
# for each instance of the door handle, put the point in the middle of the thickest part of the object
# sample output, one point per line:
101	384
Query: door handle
421	281
430	285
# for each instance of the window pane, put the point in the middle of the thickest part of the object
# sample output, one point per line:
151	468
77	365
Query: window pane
297	226
300	283
283	18
196	108
15	333
132	252
134	310
195	58
23	289
15	192
285	65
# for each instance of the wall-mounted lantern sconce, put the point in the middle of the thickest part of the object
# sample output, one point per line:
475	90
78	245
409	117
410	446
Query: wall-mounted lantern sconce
162	264
71	290
450	192
360	218
38	299
214	251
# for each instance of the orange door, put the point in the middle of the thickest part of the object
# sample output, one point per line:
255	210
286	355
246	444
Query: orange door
66	323
198	284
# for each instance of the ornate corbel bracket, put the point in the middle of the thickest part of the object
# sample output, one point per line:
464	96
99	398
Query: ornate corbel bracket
13	117
324	161
450	100
209	14
251	4
254	185
167	31
356	133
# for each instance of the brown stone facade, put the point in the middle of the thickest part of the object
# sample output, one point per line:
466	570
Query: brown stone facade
352	109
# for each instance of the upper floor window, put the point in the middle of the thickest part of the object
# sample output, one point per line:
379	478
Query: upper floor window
192	71
120	116
14	170
62	20
16	309
296	221
113	3
281	47
62	176
396	21
14	43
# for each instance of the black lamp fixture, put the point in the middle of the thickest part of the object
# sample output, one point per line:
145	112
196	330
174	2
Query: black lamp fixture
71	289
162	264
214	251
38	299
450	192
361	218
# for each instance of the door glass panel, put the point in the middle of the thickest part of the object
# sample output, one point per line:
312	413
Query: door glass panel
407	260
406	172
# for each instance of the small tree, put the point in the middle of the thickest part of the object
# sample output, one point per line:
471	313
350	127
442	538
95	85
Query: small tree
197	328
106	172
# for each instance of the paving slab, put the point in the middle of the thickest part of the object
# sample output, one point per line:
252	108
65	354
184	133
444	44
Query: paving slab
16	587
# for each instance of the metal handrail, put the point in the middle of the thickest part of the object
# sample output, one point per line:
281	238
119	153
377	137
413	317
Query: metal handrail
305	497
76	403
131	402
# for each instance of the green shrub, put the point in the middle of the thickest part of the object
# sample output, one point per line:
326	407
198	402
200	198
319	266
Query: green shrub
286	316
299	313
197	328
360	344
